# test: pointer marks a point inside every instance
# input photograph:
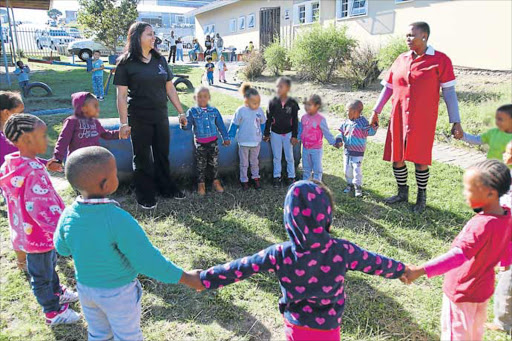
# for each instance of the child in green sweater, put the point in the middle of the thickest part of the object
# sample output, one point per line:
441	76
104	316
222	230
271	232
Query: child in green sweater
109	249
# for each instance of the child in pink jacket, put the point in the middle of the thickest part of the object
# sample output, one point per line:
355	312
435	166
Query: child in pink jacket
314	129
34	208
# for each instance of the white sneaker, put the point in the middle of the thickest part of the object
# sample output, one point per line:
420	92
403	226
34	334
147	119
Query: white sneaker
67	296
358	191
65	315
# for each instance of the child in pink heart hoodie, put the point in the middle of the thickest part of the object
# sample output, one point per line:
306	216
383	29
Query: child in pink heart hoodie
34	208
310	267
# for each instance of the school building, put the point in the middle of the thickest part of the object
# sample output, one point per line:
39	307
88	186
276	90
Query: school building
473	33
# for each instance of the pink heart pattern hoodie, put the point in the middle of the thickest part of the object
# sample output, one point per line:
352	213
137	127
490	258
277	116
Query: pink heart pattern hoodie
33	205
311	267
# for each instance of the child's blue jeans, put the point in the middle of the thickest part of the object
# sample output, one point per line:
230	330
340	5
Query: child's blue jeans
280	142
97	86
44	279
179	54
112	312
209	75
312	163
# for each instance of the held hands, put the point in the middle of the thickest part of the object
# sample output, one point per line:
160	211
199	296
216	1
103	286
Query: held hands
338	145
457	131
412	273
226	143
54	165
374	119
192	279
267	138
125	132
293	141
183	120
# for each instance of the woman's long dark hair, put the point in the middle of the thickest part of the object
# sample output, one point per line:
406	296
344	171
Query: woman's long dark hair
133	49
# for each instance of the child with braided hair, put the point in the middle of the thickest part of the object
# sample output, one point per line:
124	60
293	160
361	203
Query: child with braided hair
34	208
469	265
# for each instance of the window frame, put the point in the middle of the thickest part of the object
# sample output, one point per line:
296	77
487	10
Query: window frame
241	20
313	12
303	7
399	2
233	29
253	16
183	18
350	7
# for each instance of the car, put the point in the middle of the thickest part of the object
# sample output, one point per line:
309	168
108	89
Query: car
83	48
52	38
74	32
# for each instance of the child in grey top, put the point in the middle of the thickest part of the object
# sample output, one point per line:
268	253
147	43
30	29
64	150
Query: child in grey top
249	121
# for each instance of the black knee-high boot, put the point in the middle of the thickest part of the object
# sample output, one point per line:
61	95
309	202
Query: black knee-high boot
403	190
422	181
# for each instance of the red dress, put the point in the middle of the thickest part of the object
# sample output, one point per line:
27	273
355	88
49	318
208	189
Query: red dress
415	101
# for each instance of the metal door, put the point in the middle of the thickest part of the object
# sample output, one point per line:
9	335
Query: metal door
270	21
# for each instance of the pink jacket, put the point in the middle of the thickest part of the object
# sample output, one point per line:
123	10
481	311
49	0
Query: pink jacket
33	205
314	128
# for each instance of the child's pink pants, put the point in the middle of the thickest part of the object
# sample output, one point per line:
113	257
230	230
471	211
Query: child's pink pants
463	321
222	75
299	333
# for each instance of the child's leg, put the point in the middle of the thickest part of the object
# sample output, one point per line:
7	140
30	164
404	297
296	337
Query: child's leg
21	259
98	327
276	143
201	162
288	155
254	153
462	321
42	273
243	153
299	333
503	301
317	163
306	163
100	86
213	159
349	174
357	166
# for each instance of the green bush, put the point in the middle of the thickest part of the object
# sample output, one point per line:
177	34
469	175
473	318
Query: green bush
391	51
276	57
361	70
317	53
254	65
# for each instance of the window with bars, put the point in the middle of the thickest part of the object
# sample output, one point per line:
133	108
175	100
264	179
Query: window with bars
351	8
302	14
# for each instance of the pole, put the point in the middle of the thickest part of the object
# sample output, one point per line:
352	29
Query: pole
15	32
13	48
4	54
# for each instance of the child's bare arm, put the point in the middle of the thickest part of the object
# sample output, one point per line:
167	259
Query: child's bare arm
192	279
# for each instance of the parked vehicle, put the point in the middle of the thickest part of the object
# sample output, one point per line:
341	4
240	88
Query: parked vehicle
74	32
52	38
83	48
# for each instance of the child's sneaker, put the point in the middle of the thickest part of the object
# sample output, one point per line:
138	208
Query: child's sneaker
348	189
100	99
201	189
217	186
277	182
67	296
358	191
257	184
65	315
245	185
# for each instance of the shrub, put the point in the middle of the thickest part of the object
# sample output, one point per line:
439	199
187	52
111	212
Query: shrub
254	65
320	51
391	51
276	57
362	69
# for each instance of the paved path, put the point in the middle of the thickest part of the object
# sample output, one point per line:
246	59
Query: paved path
441	152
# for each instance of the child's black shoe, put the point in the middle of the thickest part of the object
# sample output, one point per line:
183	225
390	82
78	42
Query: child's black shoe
245	185
276	183
257	184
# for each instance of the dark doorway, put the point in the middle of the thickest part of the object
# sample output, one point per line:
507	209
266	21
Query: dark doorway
270	22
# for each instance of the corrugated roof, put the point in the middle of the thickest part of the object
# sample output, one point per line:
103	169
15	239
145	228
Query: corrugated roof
212	6
27	4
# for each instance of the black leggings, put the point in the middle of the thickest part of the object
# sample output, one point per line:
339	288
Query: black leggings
150	142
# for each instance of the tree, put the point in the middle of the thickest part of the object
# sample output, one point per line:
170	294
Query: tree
108	20
54	14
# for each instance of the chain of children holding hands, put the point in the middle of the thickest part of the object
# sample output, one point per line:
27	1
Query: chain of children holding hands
110	248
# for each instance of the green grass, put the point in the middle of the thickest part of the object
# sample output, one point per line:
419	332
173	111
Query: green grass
201	232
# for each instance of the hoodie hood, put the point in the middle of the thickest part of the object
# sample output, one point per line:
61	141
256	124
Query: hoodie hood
78	100
307	216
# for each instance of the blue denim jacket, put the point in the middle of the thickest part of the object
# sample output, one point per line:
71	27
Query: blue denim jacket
206	123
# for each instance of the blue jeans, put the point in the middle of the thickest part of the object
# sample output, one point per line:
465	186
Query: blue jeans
44	279
209	76
353	169
278	142
97	86
179	54
312	163
112	313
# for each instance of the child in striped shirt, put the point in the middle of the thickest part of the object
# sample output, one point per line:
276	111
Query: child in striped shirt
354	132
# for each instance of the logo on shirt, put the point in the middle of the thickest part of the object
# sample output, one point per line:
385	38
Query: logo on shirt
161	70
87	129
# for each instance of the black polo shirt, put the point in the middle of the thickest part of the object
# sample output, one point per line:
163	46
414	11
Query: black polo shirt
147	96
282	119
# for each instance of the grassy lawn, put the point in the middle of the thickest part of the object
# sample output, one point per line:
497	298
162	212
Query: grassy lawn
200	232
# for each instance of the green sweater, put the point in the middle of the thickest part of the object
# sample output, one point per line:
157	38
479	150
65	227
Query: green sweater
109	247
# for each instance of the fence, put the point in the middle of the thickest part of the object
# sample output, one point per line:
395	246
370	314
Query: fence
21	42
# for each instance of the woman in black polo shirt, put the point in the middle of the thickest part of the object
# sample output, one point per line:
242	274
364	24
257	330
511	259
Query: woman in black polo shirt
143	82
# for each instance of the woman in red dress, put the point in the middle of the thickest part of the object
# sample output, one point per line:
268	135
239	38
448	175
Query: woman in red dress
414	81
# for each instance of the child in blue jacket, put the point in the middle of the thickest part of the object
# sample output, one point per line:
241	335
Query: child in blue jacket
311	267
206	121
